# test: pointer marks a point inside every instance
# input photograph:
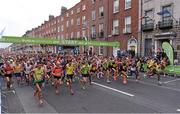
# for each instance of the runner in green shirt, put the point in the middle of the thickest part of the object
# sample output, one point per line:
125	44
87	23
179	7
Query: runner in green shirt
85	69
38	74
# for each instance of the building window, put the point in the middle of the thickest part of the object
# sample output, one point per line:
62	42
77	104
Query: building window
67	24
101	27
62	28
67	14
59	29
93	31
72	22
84	7
78	10
101	11
62	36
101	30
78	21
115	27
127	4
167	16
84	22
72	12
67	36
93	15
149	16
93	1
84	33
127	24
62	18
101	50
72	35
78	34
116	6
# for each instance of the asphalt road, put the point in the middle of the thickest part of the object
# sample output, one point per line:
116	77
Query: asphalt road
145	96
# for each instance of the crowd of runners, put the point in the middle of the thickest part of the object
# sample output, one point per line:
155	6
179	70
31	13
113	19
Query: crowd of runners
58	70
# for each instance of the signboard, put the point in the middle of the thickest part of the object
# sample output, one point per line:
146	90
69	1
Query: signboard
28	40
169	52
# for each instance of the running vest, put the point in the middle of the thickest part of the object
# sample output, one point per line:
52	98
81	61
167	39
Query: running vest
38	74
8	69
69	69
17	69
85	69
57	72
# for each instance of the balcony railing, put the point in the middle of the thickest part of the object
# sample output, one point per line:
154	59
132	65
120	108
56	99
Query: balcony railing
148	27
165	24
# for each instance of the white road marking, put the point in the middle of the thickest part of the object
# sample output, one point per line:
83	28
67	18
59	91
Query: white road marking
125	93
171	81
9	91
178	110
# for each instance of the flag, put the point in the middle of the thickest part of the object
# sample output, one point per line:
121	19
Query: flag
164	12
168	49
1	33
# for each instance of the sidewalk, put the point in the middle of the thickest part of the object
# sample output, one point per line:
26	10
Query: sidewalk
10	100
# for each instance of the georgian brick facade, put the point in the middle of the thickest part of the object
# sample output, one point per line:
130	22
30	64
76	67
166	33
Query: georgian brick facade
94	20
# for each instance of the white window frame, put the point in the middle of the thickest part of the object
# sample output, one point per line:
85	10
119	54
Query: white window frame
93	30
115	27
128	23
67	23
128	4
67	14
72	22
83	7
78	10
116	6
101	27
72	35
83	33
62	28
101	50
62	18
72	12
93	15
78	34
78	21
93	1
101	10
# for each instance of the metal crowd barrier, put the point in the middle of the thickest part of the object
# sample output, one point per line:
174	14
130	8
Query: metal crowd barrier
3	108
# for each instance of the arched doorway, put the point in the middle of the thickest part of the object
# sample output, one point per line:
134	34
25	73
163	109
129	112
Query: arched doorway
132	45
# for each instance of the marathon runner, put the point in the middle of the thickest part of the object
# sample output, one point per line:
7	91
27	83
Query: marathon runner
8	72
38	74
69	75
85	69
57	73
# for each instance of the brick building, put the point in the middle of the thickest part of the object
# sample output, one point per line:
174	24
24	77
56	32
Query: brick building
102	20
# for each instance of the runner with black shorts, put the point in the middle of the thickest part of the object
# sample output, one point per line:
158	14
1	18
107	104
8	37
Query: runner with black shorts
69	74
85	69
57	73
8	71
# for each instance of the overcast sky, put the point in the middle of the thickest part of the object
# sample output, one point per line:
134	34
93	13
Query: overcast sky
18	16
